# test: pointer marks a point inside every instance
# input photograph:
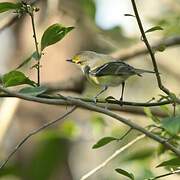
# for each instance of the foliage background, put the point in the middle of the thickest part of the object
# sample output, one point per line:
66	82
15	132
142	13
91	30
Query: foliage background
65	151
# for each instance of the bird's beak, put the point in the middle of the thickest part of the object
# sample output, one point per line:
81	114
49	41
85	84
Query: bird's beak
69	60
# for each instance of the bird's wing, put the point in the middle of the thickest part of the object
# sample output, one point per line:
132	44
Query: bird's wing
113	68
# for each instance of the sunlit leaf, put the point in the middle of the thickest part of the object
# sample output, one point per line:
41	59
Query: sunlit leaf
125	173
6	6
175	162
33	91
15	78
53	34
103	142
155	28
171	125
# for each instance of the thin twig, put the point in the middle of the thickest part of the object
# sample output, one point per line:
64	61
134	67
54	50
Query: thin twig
109	159
165	175
34	132
164	89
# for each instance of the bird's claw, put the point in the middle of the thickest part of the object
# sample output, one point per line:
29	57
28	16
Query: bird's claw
121	102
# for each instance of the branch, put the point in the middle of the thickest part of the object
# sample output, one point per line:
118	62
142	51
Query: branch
135	108
34	133
110	158
164	89
59	100
165	175
136	51
92	107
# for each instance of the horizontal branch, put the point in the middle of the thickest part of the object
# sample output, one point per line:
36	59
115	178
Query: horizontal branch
140	50
93	107
59	100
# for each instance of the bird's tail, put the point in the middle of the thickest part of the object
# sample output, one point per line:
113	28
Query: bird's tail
141	71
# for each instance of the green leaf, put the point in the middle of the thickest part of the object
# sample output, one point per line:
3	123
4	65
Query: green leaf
125	173
15	78
33	91
6	6
53	34
103	142
155	28
175	162
171	125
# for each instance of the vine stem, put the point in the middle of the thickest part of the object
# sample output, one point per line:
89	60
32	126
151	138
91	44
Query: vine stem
36	45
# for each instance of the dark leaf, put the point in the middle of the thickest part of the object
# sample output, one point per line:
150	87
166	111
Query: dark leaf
175	162
53	34
15	78
125	173
33	91
171	125
155	28
103	142
6	6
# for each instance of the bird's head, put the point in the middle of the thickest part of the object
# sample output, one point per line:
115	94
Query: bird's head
84	58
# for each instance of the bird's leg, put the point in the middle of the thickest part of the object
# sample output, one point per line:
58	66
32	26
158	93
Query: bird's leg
104	89
122	93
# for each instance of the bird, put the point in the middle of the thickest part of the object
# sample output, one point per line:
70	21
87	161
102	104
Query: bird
104	70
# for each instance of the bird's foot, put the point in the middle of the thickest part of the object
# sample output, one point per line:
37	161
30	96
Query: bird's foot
121	101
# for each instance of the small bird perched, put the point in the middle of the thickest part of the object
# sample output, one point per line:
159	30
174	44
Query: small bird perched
104	70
